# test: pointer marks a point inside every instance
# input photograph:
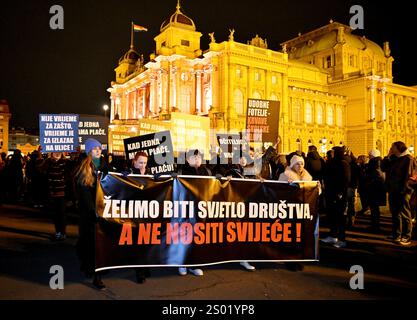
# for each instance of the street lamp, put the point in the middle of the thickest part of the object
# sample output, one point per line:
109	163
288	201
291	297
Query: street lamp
105	108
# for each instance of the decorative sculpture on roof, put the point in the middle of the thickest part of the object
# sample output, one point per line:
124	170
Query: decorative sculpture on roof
211	34
231	35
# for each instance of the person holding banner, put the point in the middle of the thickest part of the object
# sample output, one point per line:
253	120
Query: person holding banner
139	166
193	167
86	185
295	171
244	170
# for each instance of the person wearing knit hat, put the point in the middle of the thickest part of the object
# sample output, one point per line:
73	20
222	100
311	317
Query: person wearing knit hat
86	177
93	147
295	171
90	144
374	153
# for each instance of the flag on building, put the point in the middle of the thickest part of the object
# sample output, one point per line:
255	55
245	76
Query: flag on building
137	27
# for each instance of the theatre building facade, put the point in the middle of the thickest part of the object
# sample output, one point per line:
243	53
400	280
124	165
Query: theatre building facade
334	87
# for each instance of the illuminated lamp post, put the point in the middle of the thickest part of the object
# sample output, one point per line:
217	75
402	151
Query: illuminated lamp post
105	108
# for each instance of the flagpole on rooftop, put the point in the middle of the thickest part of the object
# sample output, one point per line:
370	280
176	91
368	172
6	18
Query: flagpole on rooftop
131	35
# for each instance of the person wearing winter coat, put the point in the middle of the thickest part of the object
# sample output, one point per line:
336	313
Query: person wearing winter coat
315	164
295	171
337	180
86	185
55	168
193	167
362	183
375	187
399	167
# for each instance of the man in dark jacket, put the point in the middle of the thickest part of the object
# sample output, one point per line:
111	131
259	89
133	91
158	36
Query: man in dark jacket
353	185
56	171
399	167
315	164
337	179
375	187
193	167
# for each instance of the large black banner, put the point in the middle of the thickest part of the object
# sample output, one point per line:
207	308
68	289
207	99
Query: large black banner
193	221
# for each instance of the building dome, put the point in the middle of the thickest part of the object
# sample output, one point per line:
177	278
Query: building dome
329	39
179	20
4	106
130	57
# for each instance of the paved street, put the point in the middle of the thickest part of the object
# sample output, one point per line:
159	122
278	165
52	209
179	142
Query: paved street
26	254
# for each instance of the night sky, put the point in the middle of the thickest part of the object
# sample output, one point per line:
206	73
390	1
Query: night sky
54	71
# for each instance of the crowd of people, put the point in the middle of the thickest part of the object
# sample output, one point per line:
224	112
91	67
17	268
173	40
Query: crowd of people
56	182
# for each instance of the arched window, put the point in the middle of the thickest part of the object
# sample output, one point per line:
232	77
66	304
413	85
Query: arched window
330	115
308	113
390	117
339	117
273	97
238	98
256	95
299	145
185	105
319	113
296	111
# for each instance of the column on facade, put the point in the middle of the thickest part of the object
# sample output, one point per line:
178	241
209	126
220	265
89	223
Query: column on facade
178	89
224	95
384	103
249	89
158	93
231	104
268	83
372	88
198	91
285	99
164	89
153	95
144	101
112	108
135	104
302	110
193	104
209	102
215	82
173	86
118	109
126	105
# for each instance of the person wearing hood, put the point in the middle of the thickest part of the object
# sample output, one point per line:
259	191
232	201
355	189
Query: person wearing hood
399	167
315	164
337	179
375	187
295	171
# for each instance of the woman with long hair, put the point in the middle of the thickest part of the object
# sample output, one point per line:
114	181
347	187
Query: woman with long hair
86	186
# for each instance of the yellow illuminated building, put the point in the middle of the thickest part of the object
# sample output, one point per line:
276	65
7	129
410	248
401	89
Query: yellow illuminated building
334	87
4	126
